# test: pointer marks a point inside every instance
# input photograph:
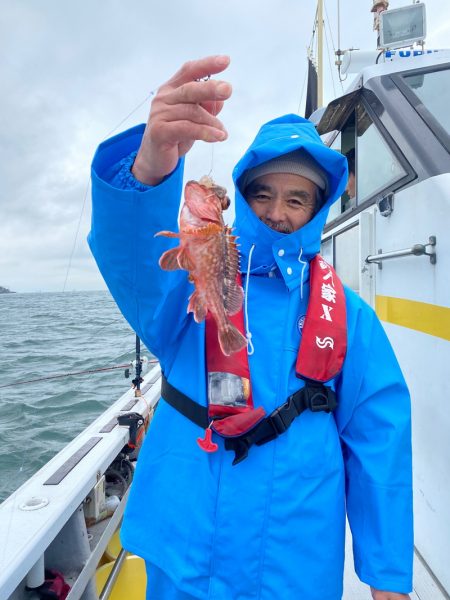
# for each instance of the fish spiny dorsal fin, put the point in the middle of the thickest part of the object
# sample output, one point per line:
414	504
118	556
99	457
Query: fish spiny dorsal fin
233	294
231	256
210	229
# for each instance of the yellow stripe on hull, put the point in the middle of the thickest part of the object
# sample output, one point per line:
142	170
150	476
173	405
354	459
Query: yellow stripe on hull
429	318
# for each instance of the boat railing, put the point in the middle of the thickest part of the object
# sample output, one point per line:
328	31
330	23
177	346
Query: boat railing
42	524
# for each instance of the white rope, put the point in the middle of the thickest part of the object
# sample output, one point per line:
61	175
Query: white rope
304	263
248	335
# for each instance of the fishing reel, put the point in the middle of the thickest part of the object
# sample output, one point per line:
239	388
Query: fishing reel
145	365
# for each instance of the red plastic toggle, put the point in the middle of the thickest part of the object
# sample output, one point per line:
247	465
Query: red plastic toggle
206	443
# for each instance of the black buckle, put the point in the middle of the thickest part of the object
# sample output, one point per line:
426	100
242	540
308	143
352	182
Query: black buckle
282	417
320	398
241	446
314	395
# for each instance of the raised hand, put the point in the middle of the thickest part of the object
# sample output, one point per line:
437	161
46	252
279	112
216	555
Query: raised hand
184	110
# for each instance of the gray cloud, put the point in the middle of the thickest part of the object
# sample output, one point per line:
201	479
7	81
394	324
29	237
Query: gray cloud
72	71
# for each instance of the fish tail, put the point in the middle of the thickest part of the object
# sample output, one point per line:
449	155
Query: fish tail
231	339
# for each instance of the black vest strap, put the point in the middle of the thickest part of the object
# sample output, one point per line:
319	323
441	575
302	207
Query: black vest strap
194	411
314	396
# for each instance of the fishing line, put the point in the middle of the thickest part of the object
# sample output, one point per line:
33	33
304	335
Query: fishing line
207	78
91	371
212	159
76	235
114	321
135	109
152	93
61	375
73	374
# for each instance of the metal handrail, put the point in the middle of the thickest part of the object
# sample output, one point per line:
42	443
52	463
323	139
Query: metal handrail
112	577
416	250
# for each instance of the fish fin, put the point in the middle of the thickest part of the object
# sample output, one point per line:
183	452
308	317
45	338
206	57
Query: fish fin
196	194
185	260
169	260
197	306
231	257
233	295
211	229
169	234
231	339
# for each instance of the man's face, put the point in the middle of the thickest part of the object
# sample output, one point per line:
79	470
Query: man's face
351	186
283	201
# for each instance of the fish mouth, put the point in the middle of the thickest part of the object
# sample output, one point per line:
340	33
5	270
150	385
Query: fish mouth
225	201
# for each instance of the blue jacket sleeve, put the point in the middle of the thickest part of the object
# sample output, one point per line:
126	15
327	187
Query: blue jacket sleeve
125	218
375	428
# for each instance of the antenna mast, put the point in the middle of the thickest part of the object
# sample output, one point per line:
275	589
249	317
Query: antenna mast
378	7
319	53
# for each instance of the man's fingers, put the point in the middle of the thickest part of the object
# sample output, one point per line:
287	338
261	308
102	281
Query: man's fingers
197	92
198	69
180	132
213	106
194	113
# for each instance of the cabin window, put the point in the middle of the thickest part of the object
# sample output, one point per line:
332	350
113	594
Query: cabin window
373	166
326	250
376	165
336	208
346	257
348	149
432	90
344	142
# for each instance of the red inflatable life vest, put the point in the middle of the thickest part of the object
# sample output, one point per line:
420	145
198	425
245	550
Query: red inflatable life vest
320	357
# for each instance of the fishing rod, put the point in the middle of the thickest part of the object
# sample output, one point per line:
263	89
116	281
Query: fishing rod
138	369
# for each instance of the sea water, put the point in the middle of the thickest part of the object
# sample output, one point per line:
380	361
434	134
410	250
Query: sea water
42	334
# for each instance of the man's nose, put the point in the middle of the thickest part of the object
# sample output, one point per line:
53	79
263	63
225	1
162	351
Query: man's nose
275	210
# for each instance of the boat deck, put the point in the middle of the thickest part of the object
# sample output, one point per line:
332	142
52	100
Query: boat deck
37	529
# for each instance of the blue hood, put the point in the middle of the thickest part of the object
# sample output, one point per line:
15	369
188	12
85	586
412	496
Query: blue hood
272	248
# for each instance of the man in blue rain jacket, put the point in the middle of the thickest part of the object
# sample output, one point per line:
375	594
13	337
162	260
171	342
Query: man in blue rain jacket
274	525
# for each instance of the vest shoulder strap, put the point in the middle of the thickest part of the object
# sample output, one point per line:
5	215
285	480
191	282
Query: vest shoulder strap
324	340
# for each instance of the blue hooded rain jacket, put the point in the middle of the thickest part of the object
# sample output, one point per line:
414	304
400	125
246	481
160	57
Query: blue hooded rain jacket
274	525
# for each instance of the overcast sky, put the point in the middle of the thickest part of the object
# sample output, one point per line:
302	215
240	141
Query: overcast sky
71	72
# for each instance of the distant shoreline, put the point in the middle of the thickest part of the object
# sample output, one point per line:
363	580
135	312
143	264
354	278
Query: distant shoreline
4	290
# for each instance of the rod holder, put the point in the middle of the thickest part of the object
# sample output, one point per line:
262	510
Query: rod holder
36	575
138	370
416	250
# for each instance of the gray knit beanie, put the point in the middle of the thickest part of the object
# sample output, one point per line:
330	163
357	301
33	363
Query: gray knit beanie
297	162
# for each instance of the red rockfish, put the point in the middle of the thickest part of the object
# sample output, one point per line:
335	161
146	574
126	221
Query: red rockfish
208	251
